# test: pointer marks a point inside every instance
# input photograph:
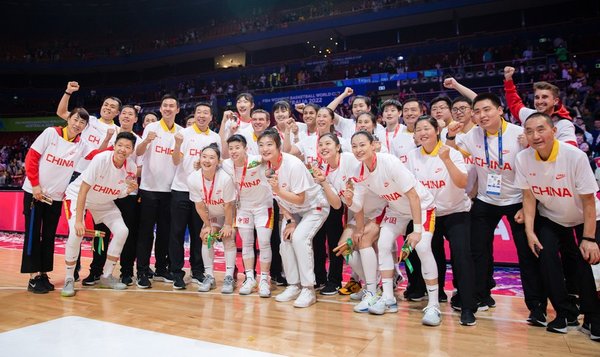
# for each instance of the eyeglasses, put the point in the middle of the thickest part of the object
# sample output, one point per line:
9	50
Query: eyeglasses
460	109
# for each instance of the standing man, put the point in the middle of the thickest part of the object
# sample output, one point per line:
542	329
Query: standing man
156	148
96	134
492	147
188	147
559	177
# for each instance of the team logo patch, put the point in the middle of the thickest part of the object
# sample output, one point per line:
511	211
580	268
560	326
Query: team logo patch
504	152
560	176
438	170
218	192
386	184
284	185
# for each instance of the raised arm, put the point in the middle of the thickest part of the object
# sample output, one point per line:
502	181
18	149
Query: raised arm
63	106
452	83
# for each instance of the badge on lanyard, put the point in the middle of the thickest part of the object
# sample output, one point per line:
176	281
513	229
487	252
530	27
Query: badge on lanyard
494	184
494	181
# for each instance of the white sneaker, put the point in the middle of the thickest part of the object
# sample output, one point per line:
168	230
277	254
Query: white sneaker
358	296
290	293
431	316
264	288
228	283
207	284
307	297
368	300
247	287
111	283
69	289
383	305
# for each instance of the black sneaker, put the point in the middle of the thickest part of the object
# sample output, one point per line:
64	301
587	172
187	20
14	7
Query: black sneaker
415	296
319	286
178	283
279	280
150	273
592	331
558	325
91	279
143	282
442	296
47	282
37	286
537	317
467	318
456	303
163	276
197	279
572	320
330	289
127	280
490	302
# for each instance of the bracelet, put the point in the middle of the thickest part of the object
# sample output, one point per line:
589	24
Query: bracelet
448	137
418	228
589	239
67	93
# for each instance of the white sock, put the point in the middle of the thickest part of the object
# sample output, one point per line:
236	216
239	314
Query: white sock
70	269
208	257
432	293
249	274
109	266
230	262
368	259
388	288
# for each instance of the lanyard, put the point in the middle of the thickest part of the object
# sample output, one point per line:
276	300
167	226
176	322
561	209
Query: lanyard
208	196
243	174
487	151
361	176
329	167
387	136
278	163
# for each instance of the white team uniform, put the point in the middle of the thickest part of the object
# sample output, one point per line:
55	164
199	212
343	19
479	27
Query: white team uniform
216	195
255	203
158	169
309	147
391	180
387	137
401	145
58	160
137	159
251	141
107	184
472	144
94	133
297	253
194	140
432	173
557	182
349	167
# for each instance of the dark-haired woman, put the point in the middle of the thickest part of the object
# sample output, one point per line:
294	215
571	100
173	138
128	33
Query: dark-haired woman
49	164
213	191
365	211
254	211
304	209
327	238
408	200
442	170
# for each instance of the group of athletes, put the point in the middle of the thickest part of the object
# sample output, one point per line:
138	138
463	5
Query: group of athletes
323	189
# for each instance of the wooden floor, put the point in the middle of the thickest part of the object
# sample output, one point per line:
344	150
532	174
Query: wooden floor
330	327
